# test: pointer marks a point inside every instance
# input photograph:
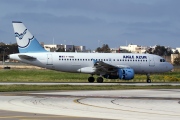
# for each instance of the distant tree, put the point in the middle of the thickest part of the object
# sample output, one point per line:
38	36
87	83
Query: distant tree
176	52
161	51
104	49
149	50
61	50
73	50
2	44
177	61
8	49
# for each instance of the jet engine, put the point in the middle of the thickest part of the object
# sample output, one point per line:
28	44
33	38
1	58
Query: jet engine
125	74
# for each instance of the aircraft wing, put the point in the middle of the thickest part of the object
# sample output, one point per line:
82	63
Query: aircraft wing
102	67
26	57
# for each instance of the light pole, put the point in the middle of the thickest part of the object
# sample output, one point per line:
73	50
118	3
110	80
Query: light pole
98	43
3	57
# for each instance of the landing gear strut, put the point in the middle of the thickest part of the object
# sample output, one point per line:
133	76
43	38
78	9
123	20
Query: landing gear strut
148	78
99	80
91	79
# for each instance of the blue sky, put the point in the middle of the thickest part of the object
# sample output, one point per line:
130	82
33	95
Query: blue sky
94	22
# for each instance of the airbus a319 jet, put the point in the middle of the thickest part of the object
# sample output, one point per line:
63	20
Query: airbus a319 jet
106	65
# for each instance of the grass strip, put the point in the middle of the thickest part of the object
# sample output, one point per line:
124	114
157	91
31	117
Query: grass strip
42	75
14	88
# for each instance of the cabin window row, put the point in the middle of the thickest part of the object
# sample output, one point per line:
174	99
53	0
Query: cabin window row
102	60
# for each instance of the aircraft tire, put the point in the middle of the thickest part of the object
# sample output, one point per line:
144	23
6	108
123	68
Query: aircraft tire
100	80
91	79
148	80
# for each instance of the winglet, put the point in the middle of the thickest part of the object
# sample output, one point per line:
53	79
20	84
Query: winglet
25	40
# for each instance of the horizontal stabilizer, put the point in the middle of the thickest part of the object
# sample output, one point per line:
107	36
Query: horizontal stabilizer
26	57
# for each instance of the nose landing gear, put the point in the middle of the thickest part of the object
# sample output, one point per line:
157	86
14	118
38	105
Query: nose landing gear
148	78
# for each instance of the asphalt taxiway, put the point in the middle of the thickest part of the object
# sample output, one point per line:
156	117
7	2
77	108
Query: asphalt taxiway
11	115
68	83
158	104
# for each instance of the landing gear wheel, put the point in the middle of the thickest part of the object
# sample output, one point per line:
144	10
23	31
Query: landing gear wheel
148	80
91	79
100	80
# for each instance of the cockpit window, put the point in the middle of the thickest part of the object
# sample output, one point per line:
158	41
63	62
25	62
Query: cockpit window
162	60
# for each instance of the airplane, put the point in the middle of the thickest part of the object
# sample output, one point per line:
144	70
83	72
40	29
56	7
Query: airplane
121	66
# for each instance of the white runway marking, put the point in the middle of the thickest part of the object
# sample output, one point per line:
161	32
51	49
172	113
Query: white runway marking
117	104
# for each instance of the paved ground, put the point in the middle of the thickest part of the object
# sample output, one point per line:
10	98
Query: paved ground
11	115
118	83
116	104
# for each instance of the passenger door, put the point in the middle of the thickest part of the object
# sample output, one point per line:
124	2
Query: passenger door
151	61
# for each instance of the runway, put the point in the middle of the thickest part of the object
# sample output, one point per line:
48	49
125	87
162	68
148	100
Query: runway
68	83
113	104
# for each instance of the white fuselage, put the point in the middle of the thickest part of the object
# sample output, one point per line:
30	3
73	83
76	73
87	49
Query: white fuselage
83	62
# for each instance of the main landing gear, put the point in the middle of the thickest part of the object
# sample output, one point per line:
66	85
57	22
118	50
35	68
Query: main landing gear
91	79
148	78
99	79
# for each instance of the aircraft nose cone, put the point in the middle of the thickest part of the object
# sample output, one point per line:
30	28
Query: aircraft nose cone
170	66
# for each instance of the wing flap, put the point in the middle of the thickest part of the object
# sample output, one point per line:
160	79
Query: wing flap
102	67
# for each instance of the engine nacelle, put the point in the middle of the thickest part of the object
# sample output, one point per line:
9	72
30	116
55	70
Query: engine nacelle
88	70
125	74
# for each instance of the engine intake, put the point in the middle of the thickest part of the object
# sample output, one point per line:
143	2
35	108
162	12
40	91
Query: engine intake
125	74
